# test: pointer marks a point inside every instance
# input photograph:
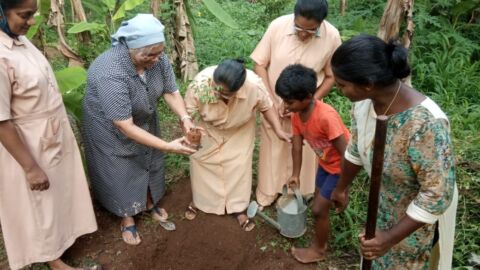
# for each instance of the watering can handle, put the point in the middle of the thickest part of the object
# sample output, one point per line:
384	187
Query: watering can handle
299	197
284	190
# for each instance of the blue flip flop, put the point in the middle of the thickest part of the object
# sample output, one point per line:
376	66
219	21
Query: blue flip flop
133	230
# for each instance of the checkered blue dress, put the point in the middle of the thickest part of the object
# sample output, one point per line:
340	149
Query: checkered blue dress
121	170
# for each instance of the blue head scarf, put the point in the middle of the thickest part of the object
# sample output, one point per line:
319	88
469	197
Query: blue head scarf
141	31
4	23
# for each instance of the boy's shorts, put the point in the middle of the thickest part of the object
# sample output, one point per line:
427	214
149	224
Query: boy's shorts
326	182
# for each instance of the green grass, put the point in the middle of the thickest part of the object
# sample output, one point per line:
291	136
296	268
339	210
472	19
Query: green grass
215	42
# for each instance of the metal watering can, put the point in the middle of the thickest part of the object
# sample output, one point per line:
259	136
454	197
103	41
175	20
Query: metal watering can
291	214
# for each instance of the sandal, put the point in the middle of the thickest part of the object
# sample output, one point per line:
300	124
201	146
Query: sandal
191	212
161	215
247	225
133	230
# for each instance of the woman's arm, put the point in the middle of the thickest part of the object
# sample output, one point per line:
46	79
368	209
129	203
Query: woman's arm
262	72
324	88
10	139
385	240
340	193
141	136
272	119
177	104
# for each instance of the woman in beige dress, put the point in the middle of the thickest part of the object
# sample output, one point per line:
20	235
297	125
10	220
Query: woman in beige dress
224	99
306	38
44	198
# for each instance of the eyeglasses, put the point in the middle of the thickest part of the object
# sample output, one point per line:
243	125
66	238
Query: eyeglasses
310	31
222	92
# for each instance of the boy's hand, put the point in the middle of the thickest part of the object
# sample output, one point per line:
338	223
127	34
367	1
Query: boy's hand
283	112
339	199
293	182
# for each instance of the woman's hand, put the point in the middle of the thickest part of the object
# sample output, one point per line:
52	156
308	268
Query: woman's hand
377	246
37	179
284	136
187	125
293	182
339	199
178	146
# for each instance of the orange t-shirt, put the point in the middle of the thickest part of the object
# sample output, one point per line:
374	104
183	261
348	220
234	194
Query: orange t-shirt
323	126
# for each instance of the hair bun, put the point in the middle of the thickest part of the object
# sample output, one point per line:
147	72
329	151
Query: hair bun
398	56
240	60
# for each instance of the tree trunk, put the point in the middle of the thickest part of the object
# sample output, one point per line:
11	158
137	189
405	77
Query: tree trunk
184	44
408	35
343	7
396	12
56	19
155	7
79	14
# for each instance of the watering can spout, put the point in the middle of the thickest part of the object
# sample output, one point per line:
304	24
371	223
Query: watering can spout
253	210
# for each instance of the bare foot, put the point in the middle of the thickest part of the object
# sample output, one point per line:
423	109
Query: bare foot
159	214
308	255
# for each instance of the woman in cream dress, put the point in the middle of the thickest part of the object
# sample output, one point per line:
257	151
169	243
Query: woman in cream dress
225	99
45	203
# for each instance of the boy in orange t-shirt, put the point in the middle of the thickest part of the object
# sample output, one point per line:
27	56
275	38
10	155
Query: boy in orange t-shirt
323	129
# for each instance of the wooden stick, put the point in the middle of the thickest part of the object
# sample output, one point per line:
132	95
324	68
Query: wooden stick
375	181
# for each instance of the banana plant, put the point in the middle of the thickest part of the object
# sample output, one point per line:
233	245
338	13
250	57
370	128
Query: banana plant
216	9
126	6
70	80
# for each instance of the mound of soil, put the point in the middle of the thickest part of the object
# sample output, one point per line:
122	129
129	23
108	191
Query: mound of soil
208	242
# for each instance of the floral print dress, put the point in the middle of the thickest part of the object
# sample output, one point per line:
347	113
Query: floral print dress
418	177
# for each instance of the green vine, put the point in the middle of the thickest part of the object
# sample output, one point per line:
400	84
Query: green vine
205	91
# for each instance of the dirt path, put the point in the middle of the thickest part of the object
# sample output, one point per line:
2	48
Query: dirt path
208	242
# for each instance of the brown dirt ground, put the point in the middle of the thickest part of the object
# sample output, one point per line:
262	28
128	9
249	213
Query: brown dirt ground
208	242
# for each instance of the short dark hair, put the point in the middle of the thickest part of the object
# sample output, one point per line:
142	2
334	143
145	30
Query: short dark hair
368	60
231	73
9	4
296	82
312	9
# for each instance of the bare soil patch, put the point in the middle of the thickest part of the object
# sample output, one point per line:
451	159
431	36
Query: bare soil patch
208	242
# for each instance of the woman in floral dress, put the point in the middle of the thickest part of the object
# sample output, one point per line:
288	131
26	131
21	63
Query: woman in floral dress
418	192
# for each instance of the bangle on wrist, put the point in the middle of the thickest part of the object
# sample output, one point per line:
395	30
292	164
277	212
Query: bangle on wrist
186	116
